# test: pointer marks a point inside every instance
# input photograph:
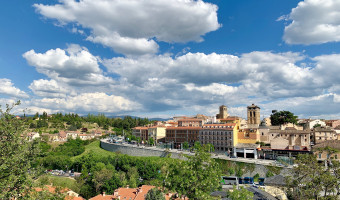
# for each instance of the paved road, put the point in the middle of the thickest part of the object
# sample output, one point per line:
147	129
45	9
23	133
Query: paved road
214	155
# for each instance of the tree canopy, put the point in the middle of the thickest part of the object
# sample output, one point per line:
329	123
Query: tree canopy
16	156
240	194
197	177
155	194
314	180
283	117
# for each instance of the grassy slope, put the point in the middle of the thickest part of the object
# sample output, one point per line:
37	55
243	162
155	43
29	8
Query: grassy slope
95	147
98	151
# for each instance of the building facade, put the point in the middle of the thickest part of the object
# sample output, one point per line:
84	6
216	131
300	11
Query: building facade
157	133
222	136
190	122
176	136
323	133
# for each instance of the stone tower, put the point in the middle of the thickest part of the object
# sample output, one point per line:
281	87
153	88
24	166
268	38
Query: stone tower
253	114
223	112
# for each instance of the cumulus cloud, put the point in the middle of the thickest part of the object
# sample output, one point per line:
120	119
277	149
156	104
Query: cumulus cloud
87	102
160	82
314	22
193	81
7	88
262	73
305	107
198	68
75	65
49	88
131	27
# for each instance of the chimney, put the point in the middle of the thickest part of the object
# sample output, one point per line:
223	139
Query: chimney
115	193
127	186
103	194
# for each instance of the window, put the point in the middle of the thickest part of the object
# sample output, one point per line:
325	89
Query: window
262	133
319	155
336	156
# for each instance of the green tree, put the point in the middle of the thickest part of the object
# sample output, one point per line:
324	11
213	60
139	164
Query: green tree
155	194
282	117
196	178
240	194
151	141
101	177
310	178
197	146
16	156
185	145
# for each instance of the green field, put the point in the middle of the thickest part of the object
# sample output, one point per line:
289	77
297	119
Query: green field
95	148
63	182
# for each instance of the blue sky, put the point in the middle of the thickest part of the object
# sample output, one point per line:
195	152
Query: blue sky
161	58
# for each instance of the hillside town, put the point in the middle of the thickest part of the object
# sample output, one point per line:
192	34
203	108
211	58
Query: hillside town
247	138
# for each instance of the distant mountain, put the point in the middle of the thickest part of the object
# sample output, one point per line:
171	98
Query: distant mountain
156	119
121	116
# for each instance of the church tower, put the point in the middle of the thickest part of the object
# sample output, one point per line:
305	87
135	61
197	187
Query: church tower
253	114
223	112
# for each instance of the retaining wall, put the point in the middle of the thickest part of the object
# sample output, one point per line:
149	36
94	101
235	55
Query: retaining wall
153	151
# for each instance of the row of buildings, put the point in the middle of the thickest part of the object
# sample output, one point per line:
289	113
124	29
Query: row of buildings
249	138
63	136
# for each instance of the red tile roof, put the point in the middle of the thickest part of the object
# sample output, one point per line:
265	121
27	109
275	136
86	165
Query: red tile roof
103	197
184	128
143	191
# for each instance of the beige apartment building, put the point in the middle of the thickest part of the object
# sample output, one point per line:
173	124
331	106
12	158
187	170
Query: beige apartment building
323	133
190	122
222	136
157	133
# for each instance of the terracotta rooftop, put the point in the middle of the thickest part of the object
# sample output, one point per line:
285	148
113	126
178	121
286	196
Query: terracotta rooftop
184	128
231	118
289	131
322	128
190	119
52	189
330	143
103	197
143	191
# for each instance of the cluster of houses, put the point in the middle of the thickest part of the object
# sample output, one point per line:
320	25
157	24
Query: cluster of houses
248	138
120	193
63	136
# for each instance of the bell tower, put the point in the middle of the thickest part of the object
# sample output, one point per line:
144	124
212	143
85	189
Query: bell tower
223	112
253	115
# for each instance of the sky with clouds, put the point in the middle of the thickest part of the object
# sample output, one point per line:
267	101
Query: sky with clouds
163	58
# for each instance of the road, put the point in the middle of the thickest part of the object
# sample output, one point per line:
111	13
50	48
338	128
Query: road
213	155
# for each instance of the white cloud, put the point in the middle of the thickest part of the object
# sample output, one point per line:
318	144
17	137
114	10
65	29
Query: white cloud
74	66
190	82
197	68
49	88
131	27
214	89
260	73
7	88
318	106
87	102
314	22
